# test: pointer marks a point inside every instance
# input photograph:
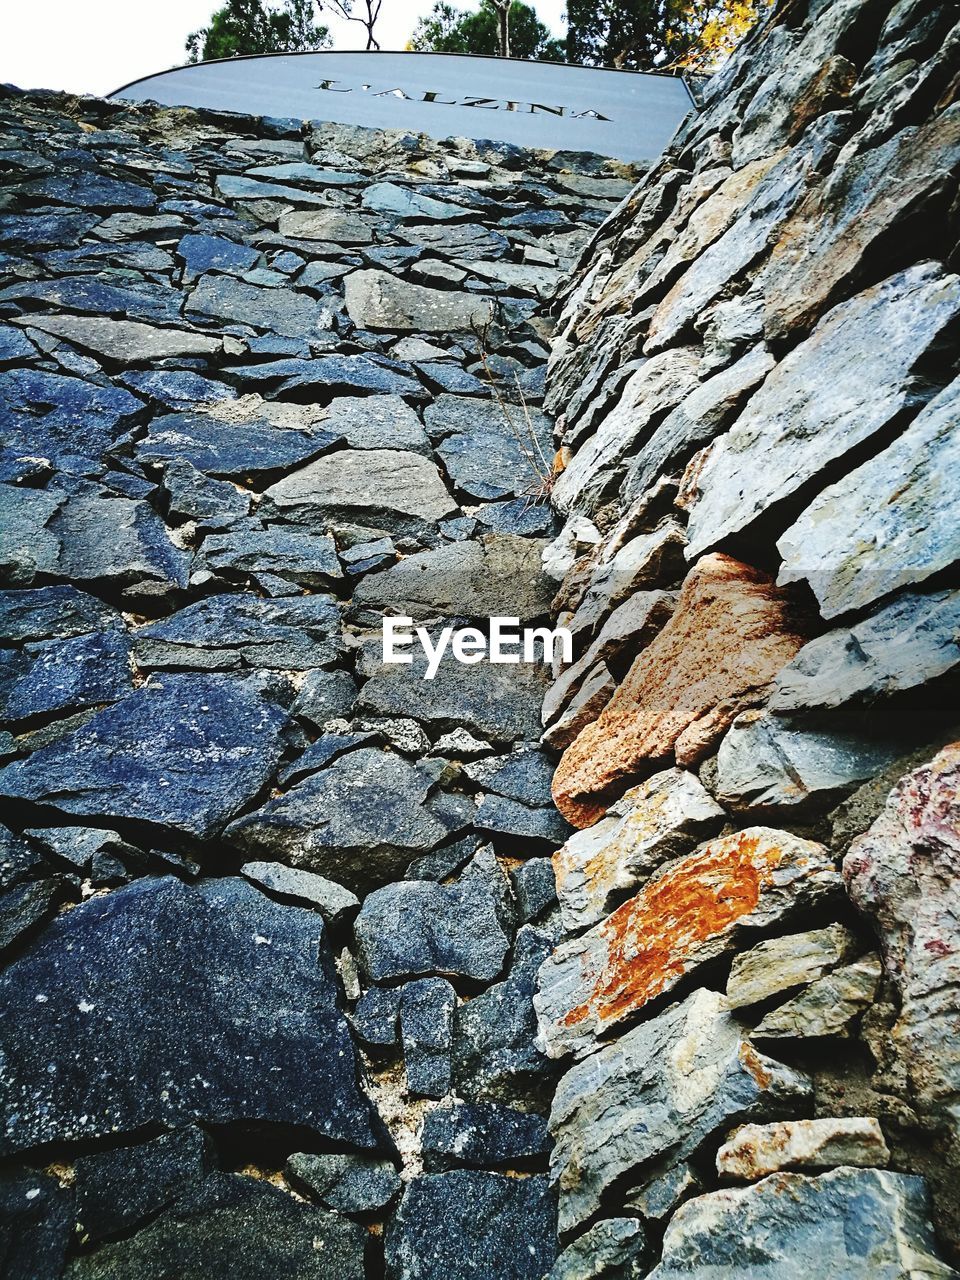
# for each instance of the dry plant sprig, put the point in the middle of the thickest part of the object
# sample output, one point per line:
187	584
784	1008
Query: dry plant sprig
545	470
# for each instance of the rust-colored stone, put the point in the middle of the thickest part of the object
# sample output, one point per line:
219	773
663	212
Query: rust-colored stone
682	918
732	631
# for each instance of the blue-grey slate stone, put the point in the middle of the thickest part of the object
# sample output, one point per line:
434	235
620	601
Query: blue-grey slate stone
90	191
200	253
86	294
495	1055
17	859
45	230
176	388
345	1182
534	888
483	1135
118	1190
333	373
61	676
75	848
290	885
426	1030
184	752
504	817
525	517
230	449
281	311
308	559
467	1225
228	631
319	753
15	346
215	504
418	927
36	1225
121	541
359	820
28	546
613	1249
60	417
27	906
267	998
376	1019
324	696
40	612
237	1226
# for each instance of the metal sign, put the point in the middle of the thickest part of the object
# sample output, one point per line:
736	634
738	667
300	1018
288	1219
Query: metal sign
626	114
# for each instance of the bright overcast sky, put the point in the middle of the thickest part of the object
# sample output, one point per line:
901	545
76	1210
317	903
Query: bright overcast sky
94	46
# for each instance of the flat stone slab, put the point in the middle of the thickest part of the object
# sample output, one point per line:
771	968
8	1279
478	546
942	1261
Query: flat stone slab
756	1150
184	752
888	524
662	1090
125	341
378	300
859	1224
835	390
88	993
688	914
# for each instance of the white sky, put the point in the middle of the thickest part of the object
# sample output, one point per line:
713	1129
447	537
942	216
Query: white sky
95	46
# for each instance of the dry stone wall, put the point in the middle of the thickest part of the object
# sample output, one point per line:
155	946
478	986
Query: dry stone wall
272	910
755	377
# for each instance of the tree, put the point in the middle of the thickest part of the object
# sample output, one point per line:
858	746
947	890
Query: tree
450	30
251	26
368	19
648	35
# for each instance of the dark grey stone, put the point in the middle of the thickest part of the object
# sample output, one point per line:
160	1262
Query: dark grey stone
466	1225
87	294
347	1183
426	1028
505	817
534	888
495	1056
308	559
525	517
194	496
283	311
200	253
417	927
118	1190
236	450
332	901
376	1019
613	1249
27	906
325	696
89	993
238	630
36	1225
28	546
236	1226
52	677
45	230
331	374
176	388
320	753
359	820
482	1135
184	752
90	191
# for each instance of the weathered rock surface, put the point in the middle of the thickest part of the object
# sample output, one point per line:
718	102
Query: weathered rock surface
466	1223
616	1248
652	823
889	524
359	820
253	1229
767	765
416	928
88	993
731	633
426	1011
688	1068
185	752
348	1183
837	389
126	341
378	300
287	883
687	915
827	1008
860	1224
904	644
756	1150
902	874
483	1135
779	965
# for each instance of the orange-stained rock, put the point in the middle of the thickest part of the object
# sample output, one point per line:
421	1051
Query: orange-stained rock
688	914
732	631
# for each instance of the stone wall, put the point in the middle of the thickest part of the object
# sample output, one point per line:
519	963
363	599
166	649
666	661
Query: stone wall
272	911
755	382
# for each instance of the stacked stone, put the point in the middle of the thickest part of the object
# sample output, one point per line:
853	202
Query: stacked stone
272	910
756	382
